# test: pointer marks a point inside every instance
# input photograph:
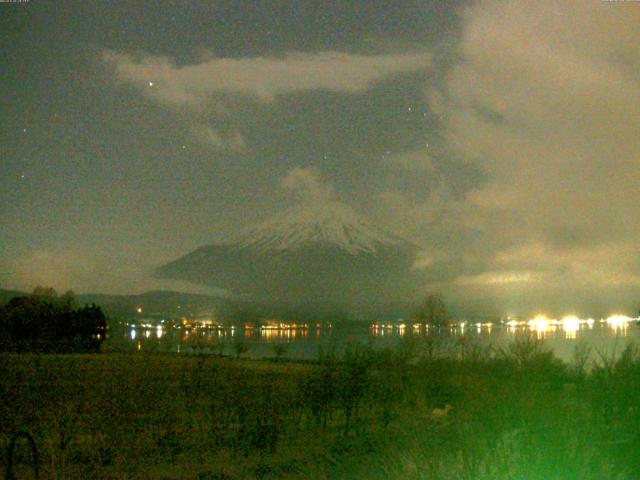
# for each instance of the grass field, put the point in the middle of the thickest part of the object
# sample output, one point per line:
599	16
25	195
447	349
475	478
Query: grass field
513	414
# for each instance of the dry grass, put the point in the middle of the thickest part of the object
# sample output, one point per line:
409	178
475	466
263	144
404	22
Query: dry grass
518	413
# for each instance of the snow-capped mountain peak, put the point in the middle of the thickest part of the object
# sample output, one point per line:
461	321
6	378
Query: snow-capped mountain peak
309	253
328	223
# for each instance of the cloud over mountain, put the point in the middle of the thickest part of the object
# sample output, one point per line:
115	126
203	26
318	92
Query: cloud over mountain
308	185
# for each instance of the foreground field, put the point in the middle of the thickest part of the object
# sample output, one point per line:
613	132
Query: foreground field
516	414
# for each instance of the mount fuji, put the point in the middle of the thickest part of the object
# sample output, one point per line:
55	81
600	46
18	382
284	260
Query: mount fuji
308	253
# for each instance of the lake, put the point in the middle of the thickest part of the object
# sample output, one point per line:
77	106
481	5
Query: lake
606	337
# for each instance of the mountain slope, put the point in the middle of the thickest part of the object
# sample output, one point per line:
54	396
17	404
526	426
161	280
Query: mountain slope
310	252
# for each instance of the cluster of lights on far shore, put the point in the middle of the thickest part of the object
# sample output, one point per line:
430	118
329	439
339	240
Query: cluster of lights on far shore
206	329
570	324
539	324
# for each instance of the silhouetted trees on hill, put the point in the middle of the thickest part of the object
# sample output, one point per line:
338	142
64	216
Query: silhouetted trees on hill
433	311
47	322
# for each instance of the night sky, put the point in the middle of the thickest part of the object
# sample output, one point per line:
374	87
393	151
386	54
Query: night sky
501	137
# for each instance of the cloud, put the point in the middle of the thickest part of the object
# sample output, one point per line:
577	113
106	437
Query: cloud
85	271
233	142
61	270
496	278
308	185
416	161
210	88
260	78
544	100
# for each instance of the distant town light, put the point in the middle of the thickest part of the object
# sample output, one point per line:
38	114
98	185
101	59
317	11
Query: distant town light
618	321
571	325
571	322
139	309
540	323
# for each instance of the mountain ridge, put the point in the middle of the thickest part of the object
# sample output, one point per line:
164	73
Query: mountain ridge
332	223
307	253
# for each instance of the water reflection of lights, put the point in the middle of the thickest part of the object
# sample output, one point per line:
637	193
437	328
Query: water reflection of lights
539	322
401	329
459	328
484	327
284	333
571	325
541	325
618	323
568	328
618	320
269	333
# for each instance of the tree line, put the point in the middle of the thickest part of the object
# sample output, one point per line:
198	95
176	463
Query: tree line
50	323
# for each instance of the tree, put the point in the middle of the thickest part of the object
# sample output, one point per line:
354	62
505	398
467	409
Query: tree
280	349
433	311
240	348
45	322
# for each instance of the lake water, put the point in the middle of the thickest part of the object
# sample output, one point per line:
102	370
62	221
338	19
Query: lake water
603	337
